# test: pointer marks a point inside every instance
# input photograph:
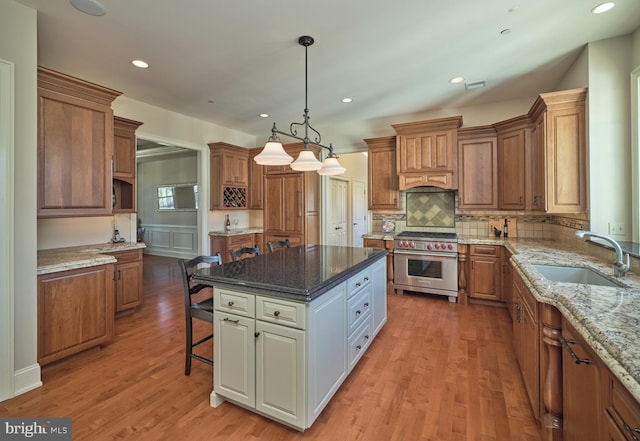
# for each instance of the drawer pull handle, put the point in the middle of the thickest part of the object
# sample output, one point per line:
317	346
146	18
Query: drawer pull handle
256	335
227	319
276	313
632	432
358	347
366	279
358	283
358	312
366	337
518	309
230	303
565	342
366	305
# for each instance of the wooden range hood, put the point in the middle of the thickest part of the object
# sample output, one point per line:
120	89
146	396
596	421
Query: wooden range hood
426	153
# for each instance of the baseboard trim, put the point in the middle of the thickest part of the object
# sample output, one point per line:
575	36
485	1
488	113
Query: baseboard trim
27	379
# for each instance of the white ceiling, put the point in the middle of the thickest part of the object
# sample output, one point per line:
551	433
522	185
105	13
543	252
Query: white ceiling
392	58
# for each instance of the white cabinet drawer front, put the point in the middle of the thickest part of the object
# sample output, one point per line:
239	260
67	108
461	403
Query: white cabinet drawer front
281	312
359	281
359	342
358	308
234	302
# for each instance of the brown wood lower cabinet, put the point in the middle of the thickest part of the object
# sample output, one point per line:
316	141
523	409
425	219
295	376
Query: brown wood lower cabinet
223	244
582	406
485	281
526	340
388	245
75	311
128	279
621	416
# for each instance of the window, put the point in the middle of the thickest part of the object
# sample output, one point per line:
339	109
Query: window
178	197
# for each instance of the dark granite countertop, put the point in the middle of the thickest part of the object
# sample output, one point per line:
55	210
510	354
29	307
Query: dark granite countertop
299	273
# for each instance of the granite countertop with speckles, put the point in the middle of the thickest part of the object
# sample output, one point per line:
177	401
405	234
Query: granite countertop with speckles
63	259
606	317
237	231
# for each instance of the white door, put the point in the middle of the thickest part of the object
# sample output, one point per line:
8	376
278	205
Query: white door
337	213
359	212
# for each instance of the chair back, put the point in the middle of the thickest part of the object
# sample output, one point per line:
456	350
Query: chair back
236	254
188	267
278	244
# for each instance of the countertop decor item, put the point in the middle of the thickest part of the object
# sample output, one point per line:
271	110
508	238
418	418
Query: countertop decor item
388	225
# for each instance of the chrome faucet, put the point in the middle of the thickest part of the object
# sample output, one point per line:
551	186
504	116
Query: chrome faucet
620	266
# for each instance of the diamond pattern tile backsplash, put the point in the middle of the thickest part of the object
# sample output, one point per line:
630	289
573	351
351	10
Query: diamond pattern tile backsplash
435	209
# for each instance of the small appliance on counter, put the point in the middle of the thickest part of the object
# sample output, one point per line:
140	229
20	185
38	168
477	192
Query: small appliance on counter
116	237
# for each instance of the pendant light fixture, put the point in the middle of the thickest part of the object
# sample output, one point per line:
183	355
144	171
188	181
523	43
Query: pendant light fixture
273	153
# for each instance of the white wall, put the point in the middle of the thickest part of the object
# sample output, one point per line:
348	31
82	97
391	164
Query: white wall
18	45
609	134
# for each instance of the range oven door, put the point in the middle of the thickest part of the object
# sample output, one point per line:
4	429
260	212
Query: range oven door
426	272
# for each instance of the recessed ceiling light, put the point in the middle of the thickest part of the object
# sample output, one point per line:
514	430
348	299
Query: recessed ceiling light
139	63
346	100
456	80
603	7
91	7
264	115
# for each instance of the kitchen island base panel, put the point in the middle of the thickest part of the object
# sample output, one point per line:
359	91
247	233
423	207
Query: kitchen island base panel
286	359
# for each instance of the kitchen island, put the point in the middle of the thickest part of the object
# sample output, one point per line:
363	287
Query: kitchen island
291	325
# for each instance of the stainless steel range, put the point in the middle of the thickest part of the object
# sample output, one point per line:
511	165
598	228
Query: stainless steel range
426	262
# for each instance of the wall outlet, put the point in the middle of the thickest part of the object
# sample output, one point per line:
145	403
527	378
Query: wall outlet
617	228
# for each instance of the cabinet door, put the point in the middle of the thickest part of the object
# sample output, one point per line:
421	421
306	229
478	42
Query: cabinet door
256	182
511	170
485	278
425	152
274	204
234	355
235	170
280	372
538	164
383	179
128	285
75	311
379	295
582	405
530	357
284	203
478	173
75	146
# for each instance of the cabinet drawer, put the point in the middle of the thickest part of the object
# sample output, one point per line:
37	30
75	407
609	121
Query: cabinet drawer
127	256
486	250
621	406
280	312
529	302
358	343
359	281
358	308
234	302
242	240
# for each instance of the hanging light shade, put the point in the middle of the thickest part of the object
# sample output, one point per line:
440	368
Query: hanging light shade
331	167
273	154
306	162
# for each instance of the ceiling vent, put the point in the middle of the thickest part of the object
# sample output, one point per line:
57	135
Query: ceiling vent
476	85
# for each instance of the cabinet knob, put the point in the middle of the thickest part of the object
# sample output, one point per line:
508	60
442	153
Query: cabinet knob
366	305
230	303
276	313
358	347
256	335
358	312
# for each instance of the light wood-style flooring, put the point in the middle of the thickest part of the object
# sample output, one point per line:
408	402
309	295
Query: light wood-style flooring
437	371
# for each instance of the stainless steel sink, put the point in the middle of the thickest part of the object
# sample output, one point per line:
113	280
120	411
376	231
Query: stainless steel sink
572	274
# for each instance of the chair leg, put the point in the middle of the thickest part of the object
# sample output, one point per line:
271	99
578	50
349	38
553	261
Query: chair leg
189	347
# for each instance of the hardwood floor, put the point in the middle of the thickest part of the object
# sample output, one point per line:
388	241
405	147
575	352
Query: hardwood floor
437	371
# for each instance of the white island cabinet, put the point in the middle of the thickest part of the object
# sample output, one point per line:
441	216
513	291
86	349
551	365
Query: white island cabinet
285	358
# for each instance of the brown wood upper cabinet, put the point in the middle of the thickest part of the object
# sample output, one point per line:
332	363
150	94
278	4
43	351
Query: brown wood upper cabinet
513	145
383	178
256	181
559	163
124	164
478	168
426	153
229	176
75	146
